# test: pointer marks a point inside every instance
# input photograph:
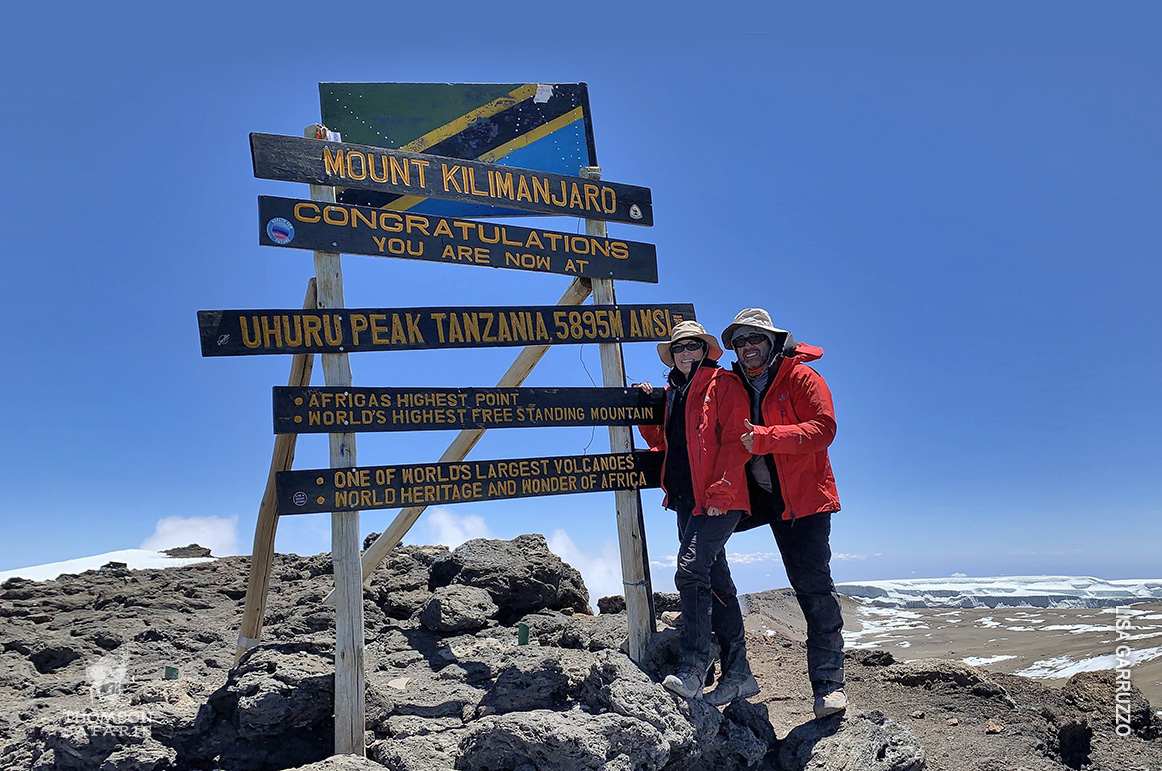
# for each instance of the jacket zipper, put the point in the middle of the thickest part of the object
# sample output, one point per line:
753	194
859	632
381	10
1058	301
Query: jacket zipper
778	470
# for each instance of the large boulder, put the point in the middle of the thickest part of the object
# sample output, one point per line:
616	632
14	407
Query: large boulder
1103	698
401	585
275	711
522	575
458	608
866	741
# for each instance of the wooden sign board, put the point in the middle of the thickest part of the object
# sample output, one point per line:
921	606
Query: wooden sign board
428	484
351	229
347	330
323	162
339	410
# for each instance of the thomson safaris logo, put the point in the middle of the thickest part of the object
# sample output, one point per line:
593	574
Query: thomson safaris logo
106	678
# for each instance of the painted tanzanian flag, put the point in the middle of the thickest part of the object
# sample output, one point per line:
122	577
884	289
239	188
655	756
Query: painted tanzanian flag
539	126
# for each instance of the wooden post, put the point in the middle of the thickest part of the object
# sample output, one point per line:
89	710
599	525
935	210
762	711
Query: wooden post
630	533
261	556
350	706
458	450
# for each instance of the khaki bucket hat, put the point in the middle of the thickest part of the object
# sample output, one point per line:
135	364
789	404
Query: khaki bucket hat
750	317
684	331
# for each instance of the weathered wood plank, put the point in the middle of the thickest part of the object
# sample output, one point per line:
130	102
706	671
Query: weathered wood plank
262	554
350	679
323	162
631	535
306	410
392	487
299	224
253	332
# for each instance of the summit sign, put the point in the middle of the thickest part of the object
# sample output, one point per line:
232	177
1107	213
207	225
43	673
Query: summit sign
323	162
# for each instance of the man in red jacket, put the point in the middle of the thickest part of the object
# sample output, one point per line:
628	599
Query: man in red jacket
791	424
704	481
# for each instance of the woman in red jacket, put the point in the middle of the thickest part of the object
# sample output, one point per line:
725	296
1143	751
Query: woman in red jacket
704	480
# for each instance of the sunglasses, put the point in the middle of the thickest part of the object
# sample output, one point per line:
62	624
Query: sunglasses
689	345
752	339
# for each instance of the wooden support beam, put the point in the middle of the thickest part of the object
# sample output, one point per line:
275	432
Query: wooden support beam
458	450
630	533
350	700
261	556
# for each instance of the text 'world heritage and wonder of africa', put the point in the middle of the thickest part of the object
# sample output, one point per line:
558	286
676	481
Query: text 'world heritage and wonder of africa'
426	484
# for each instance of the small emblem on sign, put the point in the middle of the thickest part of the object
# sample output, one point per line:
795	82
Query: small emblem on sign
634	212
281	231
223	339
300	498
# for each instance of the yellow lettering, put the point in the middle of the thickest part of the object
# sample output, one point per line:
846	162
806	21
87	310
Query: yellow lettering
400	171
397	335
391	222
379	332
303	206
358	324
504	184
450	177
351	156
371	168
333	162
334	215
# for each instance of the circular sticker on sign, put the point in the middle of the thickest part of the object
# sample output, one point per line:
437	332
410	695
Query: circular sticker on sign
634	211
280	230
300	499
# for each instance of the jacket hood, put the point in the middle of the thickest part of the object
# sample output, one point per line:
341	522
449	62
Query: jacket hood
796	352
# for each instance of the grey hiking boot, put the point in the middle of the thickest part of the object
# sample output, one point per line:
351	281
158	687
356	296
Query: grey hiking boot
733	686
831	704
687	682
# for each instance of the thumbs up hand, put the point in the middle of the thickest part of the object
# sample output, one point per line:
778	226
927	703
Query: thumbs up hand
748	437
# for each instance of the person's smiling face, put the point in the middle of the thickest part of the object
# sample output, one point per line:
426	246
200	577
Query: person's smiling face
752	349
687	352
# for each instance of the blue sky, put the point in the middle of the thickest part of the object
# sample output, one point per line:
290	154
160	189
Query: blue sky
966	221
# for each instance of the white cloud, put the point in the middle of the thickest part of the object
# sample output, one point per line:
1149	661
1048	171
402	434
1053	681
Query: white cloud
752	558
840	556
601	570
444	527
218	534
959	575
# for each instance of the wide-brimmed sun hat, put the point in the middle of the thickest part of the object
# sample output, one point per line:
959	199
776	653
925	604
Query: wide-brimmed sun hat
750	317
684	331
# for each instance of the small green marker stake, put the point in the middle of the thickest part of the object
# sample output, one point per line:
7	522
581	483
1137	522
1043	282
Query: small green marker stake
522	634
171	673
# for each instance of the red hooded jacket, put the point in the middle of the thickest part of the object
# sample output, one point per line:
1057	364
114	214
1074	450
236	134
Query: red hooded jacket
800	424
716	408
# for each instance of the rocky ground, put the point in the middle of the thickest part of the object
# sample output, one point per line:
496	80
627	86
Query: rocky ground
120	670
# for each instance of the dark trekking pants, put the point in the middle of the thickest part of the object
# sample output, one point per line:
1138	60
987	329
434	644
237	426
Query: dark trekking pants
804	544
706	591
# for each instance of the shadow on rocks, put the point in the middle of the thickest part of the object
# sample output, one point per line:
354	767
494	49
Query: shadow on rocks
866	741
275	711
